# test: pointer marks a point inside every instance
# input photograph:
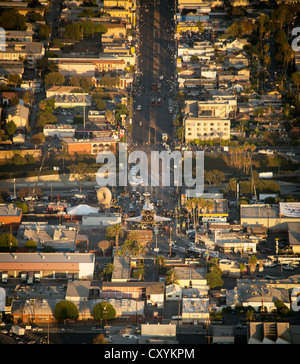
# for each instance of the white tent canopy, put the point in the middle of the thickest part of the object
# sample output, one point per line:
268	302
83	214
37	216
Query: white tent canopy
82	210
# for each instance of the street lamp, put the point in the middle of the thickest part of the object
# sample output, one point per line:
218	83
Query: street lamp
14	180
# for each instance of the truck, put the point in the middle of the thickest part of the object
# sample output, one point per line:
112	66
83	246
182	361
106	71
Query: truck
17	330
164	137
265	175
37	277
182	249
23	277
30	278
4	277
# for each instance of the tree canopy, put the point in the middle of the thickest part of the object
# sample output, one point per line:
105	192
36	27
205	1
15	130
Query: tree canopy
65	310
103	311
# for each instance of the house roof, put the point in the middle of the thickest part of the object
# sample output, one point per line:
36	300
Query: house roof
18	110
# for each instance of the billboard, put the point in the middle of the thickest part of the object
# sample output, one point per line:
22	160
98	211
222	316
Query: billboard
289	209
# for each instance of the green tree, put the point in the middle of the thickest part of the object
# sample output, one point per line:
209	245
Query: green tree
54	78
171	277
180	133
37	139
214	278
23	206
15	80
65	310
12	20
44	31
45	117
252	262
114	232
160	261
139	272
108	271
8	242
30	244
72	31
295	78
103	311
18	160
11	128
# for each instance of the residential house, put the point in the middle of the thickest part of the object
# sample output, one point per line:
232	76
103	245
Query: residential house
236	60
19	115
30	51
11	68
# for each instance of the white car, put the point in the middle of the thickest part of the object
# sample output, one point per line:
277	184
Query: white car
127	336
287	267
171	110
139	107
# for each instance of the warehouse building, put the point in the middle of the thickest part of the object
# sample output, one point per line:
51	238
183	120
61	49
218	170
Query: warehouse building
49	265
274	217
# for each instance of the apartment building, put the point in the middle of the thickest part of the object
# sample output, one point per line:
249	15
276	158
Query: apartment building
31	51
207	128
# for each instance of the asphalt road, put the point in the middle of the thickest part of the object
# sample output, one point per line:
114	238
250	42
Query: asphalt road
156	58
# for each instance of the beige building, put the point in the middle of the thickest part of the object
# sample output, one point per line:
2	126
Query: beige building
19	115
207	128
31	51
274	217
208	120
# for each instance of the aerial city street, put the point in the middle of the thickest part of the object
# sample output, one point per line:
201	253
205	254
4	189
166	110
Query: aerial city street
150	173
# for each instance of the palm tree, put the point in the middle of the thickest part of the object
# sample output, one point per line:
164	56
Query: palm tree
160	261
171	277
210	205
139	272
180	133
295	77
252	261
201	204
242	267
114	232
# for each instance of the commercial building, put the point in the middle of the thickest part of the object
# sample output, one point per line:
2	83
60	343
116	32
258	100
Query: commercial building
59	130
256	294
58	237
37	304
89	146
10	215
49	265
195	310
274	217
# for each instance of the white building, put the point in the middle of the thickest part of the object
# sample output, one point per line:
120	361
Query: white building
195	310
207	128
